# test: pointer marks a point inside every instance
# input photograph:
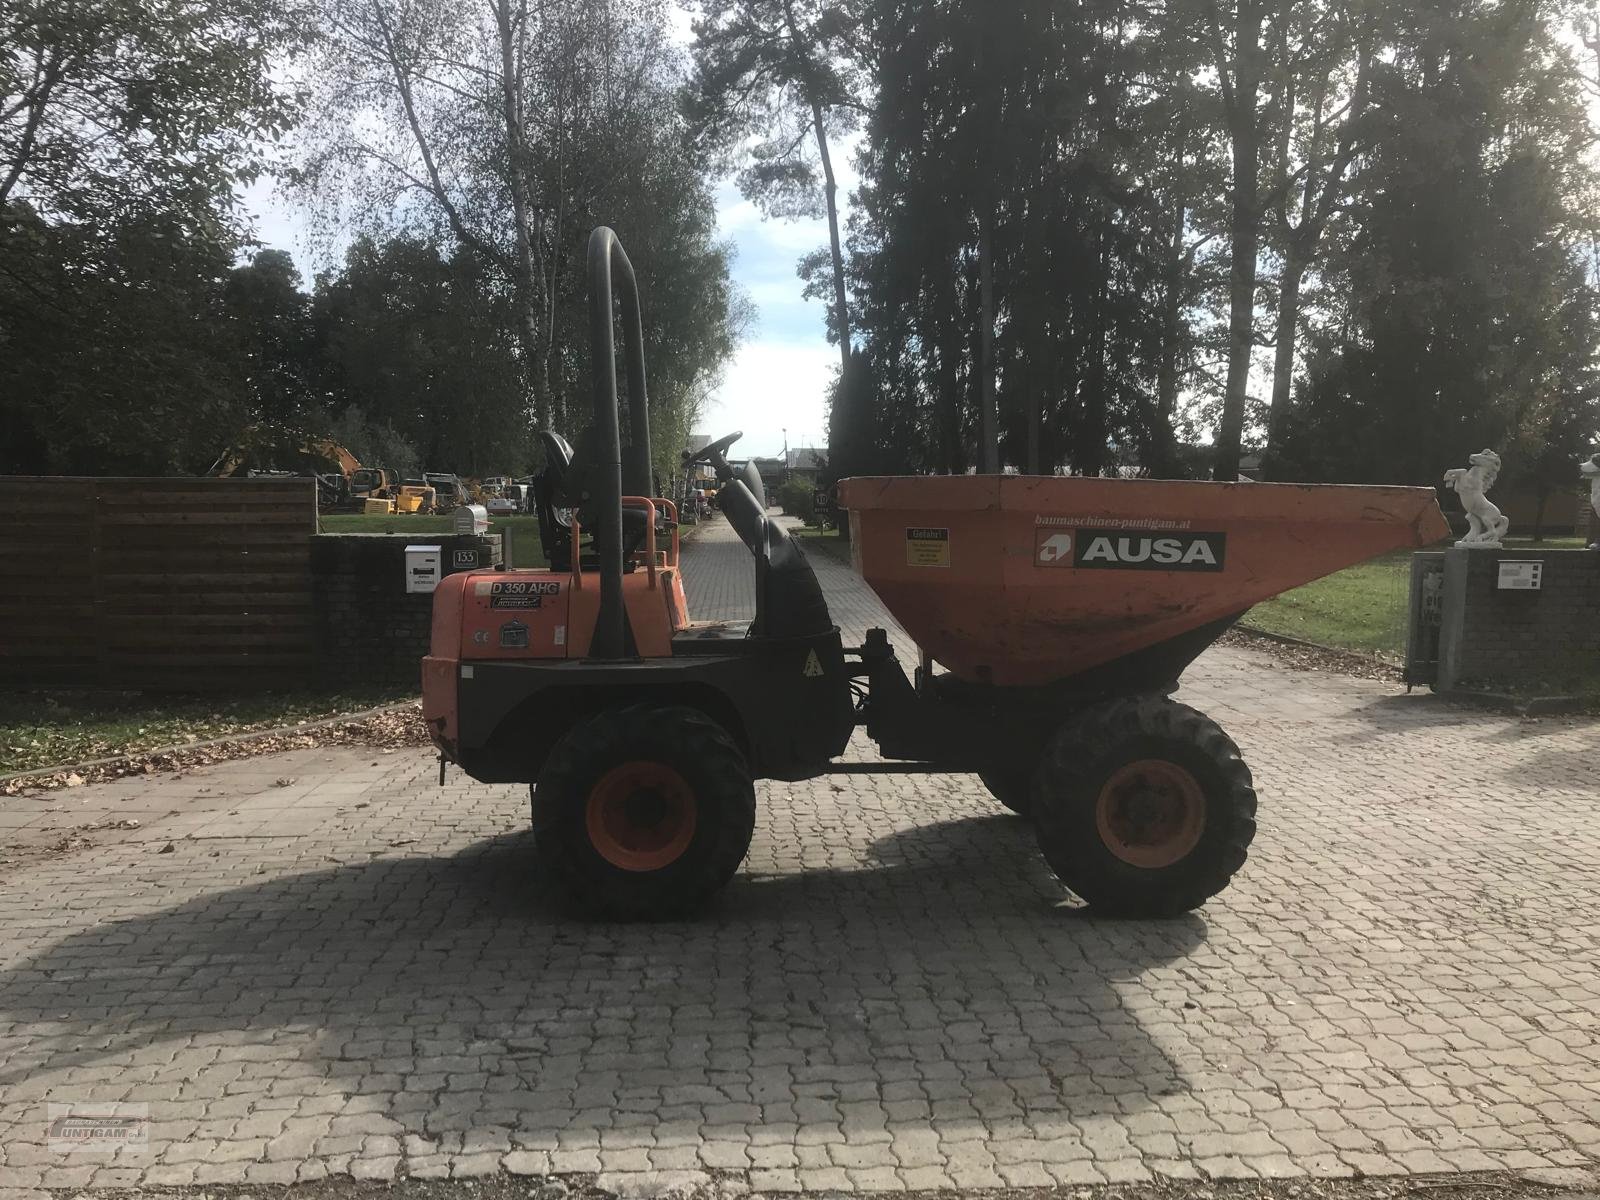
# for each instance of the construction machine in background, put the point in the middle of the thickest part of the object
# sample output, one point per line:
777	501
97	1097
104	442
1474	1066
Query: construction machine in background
450	491
264	452
415	496
373	489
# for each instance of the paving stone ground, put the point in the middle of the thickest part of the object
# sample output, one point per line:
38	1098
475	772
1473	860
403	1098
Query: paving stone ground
340	967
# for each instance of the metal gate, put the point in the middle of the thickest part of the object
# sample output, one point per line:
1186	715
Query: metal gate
1426	609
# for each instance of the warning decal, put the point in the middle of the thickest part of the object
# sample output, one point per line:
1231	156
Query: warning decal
927	547
813	666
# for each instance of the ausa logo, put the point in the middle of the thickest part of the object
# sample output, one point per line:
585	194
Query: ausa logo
1132	550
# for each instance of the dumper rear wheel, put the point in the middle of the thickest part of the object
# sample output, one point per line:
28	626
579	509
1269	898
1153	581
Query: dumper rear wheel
1144	807
644	811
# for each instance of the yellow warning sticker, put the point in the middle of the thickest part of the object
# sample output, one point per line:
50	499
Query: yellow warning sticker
927	547
813	666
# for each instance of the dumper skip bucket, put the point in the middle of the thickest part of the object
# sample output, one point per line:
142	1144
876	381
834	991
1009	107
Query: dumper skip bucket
1023	580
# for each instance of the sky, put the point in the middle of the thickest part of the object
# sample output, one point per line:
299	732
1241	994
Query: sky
775	385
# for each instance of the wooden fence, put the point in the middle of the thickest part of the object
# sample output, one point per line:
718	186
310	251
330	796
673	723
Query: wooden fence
178	584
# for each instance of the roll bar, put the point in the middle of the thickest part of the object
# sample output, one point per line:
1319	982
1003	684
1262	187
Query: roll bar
608	260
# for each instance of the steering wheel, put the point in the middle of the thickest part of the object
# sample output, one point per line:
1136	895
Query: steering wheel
712	452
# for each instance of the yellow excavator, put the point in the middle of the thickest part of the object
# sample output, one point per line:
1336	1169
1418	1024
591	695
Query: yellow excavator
261	451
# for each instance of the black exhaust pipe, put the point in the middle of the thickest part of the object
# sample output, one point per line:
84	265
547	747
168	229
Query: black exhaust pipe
606	256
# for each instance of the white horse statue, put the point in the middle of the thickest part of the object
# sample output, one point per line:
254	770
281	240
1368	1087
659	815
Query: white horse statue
1485	524
1589	469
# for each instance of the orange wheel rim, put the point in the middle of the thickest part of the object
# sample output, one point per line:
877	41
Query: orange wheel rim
1151	813
640	816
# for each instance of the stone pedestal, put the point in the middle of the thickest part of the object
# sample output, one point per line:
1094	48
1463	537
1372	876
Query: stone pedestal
1519	640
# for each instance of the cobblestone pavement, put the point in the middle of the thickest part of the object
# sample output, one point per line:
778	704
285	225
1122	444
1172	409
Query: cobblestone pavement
321	963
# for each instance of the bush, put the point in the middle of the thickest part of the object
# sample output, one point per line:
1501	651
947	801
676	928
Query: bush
796	499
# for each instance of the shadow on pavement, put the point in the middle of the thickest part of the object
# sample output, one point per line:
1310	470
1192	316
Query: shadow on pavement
1400	714
951	958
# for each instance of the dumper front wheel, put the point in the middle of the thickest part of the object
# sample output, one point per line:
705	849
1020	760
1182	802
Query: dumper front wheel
644	811
1144	807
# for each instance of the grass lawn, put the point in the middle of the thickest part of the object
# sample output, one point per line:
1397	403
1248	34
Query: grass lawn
827	541
47	729
1363	607
1360	608
526	550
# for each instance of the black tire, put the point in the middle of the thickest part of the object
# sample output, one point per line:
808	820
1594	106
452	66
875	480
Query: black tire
623	848
1014	789
1144	807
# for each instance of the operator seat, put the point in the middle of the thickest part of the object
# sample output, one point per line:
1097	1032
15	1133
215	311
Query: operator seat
557	490
554	527
789	601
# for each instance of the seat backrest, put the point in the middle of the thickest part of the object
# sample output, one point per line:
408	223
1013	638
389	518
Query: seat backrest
549	484
557	452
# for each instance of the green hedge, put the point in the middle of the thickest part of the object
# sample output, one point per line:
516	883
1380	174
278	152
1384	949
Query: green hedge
796	499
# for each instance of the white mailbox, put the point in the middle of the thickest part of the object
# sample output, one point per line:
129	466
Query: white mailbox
422	568
472	519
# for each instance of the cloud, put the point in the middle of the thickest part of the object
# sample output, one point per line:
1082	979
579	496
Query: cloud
771	386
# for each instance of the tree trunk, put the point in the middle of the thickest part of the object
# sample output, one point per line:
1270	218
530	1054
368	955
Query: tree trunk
848	396
988	416
1244	229
27	144
949	349
1244	226
1035	398
830	189
1294	268
1090	450
1163	464
528	280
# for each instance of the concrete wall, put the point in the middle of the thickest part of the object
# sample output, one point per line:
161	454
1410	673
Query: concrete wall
367	628
1545	641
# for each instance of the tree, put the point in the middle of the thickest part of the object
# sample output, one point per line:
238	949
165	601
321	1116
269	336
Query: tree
271	319
425	345
116	354
125	126
1015	173
421	123
1234	37
375	443
1465	317
509	130
165	105
1326	55
775	86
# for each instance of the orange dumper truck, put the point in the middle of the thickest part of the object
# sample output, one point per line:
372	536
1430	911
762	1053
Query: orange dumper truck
1052	619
